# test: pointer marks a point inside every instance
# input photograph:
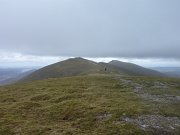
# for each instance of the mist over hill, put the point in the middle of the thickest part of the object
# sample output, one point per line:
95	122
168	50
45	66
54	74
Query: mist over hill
12	75
169	71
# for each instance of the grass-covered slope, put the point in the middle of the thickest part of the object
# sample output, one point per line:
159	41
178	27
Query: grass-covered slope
90	105
80	66
133	69
112	69
70	67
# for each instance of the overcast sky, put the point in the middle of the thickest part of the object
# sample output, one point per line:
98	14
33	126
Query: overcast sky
40	32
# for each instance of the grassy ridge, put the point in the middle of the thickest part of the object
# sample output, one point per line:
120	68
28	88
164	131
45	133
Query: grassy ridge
90	105
80	66
133	69
67	68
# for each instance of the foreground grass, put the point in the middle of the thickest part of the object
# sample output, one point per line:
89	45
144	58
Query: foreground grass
75	105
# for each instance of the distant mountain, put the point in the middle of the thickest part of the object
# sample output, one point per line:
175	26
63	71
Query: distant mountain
169	71
133	69
80	66
70	67
12	75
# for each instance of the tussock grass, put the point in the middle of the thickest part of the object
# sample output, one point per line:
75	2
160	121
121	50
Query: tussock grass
73	105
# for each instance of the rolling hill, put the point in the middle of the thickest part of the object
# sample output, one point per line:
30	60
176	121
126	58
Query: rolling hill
80	66
133	69
67	68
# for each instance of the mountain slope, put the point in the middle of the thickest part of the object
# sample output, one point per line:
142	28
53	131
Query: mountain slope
133	69
12	75
80	66
70	67
91	105
112	69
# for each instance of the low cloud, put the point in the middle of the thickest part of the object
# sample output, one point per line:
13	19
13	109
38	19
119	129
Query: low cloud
91	28
11	59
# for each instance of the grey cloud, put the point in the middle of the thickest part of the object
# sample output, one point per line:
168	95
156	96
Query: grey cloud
91	28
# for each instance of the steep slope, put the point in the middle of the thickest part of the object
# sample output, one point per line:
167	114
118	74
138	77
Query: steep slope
133	69
70	67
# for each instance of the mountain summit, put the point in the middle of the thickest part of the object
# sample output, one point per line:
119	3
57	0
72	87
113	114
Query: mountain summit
70	67
81	66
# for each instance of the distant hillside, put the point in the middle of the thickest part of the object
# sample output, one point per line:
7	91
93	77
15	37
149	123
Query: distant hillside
67	68
173	74
169	71
12	75
133	69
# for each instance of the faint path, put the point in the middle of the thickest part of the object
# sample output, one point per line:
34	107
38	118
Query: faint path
140	90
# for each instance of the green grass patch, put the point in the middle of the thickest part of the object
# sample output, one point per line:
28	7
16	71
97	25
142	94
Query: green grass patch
74	105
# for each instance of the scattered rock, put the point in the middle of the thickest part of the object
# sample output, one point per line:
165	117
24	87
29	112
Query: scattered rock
157	123
104	116
140	90
159	85
160	98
